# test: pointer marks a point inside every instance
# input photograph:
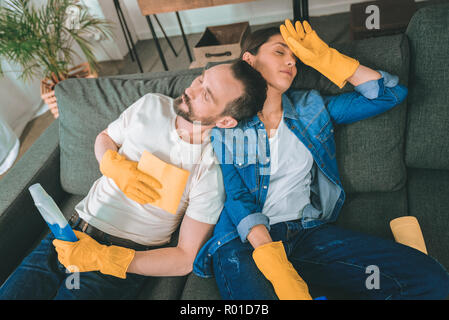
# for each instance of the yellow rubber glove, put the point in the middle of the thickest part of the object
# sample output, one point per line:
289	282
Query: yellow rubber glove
88	255
272	261
314	52
406	230
135	184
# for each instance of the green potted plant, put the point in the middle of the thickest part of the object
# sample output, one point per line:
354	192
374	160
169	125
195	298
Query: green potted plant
40	39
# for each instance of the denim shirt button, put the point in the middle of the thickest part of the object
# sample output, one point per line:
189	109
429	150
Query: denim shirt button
219	242
264	187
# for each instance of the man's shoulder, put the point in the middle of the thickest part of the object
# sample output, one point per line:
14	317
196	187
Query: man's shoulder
155	103
156	97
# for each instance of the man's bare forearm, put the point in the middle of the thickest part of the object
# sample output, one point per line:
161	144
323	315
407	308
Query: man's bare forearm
171	261
103	142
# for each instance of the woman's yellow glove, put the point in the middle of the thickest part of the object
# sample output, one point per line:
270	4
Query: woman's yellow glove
272	261
314	52
135	184
86	254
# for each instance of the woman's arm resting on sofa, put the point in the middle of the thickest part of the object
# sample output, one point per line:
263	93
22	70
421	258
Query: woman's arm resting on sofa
368	99
363	74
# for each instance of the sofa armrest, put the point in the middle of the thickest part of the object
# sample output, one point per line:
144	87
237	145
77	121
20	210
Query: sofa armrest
20	222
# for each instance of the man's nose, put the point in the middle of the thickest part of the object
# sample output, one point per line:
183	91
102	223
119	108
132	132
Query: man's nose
191	92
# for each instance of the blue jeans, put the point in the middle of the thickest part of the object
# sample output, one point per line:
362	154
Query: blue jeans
355	265
42	276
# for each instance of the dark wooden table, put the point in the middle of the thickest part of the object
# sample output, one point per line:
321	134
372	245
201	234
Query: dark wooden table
150	8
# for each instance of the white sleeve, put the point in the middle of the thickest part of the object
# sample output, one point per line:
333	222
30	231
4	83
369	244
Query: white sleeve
117	128
207	196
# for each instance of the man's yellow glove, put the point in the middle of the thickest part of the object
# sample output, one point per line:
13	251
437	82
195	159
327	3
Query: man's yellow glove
272	261
314	52
86	255
135	184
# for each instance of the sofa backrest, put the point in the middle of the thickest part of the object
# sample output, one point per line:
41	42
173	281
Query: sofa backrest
87	106
370	152
427	142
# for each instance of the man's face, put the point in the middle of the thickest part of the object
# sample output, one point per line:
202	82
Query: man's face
207	97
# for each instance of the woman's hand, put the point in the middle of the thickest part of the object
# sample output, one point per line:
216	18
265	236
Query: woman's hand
272	261
314	52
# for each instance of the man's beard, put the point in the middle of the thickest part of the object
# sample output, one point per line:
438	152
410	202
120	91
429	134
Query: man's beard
189	115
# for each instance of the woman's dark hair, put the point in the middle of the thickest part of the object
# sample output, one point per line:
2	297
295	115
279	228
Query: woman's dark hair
254	40
254	92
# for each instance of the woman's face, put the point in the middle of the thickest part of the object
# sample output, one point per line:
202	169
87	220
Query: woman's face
275	61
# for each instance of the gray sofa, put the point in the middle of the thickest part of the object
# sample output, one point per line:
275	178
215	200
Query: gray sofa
392	165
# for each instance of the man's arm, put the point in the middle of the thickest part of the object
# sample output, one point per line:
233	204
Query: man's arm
104	142
173	261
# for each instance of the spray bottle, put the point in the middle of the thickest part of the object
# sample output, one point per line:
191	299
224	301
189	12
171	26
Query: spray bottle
51	214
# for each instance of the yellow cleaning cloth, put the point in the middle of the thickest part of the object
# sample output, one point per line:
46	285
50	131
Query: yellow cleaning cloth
406	230
173	180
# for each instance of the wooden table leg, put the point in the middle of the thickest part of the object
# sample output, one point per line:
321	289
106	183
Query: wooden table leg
165	35
158	46
184	37
300	10
127	34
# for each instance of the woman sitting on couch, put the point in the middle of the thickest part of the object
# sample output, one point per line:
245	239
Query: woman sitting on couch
283	189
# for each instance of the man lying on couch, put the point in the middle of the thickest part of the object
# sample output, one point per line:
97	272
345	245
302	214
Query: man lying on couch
122	236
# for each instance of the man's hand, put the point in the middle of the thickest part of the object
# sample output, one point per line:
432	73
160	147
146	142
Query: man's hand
314	52
135	184
88	255
272	261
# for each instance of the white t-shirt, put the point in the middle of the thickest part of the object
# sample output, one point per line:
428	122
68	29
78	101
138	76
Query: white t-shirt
149	124
289	188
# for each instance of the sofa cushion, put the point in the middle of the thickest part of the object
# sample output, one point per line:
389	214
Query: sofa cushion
197	288
428	116
371	212
428	202
87	106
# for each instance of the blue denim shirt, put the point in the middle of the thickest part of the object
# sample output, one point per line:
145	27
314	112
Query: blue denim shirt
244	156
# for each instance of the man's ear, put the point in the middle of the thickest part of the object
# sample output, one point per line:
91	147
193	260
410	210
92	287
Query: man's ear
226	122
248	58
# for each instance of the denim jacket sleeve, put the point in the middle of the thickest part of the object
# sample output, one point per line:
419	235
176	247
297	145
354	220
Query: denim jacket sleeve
367	100
241	205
